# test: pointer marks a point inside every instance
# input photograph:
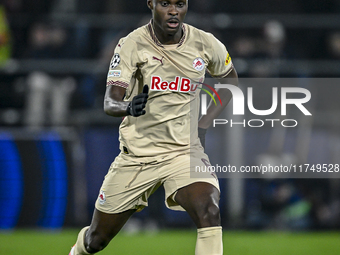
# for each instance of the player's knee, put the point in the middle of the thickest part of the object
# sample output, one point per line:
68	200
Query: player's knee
210	216
95	246
96	242
213	212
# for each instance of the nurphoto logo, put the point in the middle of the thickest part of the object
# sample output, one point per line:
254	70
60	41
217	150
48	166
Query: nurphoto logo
238	105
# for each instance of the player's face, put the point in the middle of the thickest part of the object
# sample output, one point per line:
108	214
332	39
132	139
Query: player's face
168	15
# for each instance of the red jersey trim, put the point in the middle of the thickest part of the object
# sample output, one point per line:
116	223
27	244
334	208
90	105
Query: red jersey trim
118	83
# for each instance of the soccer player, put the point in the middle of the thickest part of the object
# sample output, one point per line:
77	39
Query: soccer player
161	138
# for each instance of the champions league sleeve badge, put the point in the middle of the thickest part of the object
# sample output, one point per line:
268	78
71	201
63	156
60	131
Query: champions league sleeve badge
115	61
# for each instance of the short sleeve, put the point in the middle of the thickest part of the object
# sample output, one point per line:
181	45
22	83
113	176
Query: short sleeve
123	64
220	64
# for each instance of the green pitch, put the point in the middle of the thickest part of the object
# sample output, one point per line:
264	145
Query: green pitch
25	242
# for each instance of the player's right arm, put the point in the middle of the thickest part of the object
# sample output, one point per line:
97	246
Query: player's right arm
122	68
114	105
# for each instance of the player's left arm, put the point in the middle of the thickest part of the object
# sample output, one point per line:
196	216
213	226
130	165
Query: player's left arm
220	66
214	110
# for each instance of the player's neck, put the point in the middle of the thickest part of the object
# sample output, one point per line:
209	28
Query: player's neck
167	39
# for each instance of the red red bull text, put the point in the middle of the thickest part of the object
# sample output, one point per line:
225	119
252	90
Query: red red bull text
179	84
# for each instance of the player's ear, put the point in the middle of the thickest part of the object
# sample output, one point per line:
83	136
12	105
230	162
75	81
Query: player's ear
149	3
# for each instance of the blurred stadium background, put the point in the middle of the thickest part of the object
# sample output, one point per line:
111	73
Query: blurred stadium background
56	143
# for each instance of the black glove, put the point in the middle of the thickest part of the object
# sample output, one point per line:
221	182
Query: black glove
137	105
201	136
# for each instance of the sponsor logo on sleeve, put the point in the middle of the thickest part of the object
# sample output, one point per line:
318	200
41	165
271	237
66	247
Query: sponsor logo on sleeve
114	73
198	64
115	61
227	60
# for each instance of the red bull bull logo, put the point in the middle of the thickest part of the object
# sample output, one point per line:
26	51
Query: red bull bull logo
198	64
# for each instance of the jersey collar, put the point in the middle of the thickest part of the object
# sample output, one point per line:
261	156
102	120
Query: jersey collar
155	39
